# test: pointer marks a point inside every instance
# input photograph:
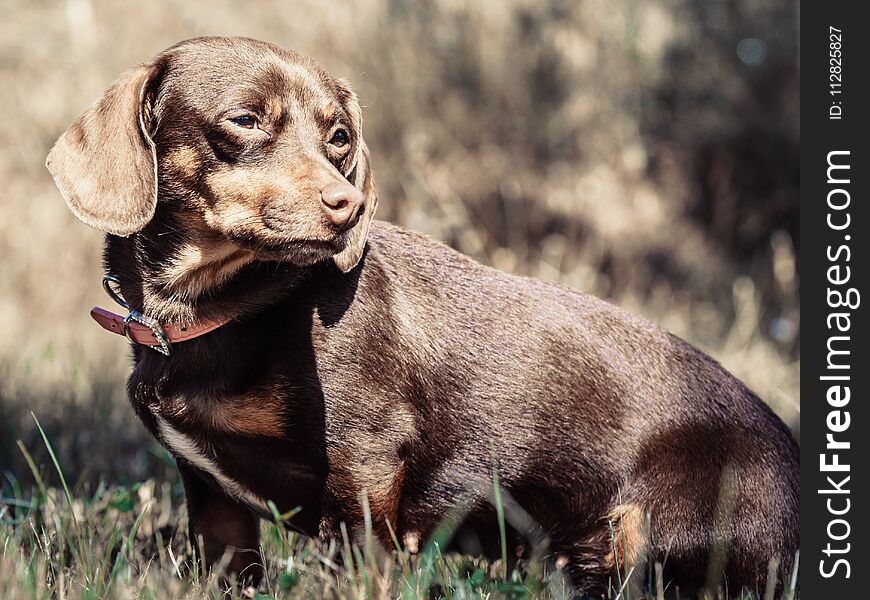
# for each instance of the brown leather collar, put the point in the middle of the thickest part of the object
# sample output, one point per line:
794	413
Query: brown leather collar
143	330
142	334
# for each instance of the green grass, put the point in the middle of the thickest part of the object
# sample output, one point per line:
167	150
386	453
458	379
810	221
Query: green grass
130	542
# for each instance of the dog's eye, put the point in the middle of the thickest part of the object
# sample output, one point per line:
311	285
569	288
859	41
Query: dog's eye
246	121
339	138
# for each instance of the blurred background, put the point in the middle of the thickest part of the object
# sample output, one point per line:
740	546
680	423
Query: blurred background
646	152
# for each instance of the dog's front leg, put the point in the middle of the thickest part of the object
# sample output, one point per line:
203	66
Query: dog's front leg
228	531
355	487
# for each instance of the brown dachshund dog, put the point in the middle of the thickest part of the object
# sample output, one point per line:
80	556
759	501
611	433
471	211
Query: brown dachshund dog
337	359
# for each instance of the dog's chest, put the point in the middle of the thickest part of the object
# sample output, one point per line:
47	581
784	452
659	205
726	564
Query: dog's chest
204	459
245	447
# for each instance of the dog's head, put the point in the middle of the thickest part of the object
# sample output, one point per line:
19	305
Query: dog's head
257	146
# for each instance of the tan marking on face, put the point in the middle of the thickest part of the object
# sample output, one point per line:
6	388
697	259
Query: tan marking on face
236	185
235	202
238	198
327	111
182	162
274	108
243	197
231	216
630	535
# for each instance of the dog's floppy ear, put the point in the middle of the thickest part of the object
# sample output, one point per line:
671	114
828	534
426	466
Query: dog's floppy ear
360	176
105	164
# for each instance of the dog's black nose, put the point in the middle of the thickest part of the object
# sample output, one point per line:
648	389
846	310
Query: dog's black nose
342	204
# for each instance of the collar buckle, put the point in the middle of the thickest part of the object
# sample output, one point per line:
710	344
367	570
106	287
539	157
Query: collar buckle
163	347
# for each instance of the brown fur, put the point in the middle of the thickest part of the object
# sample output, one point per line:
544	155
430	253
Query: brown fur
227	534
364	361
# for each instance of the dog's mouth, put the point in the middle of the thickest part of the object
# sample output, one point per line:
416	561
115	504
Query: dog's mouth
299	251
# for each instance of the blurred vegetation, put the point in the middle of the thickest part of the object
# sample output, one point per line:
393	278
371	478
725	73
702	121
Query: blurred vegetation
646	152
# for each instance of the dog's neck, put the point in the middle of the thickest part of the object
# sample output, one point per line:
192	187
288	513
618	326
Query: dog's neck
184	275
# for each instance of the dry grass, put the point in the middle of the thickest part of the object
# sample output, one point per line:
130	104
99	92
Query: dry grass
618	147
128	542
